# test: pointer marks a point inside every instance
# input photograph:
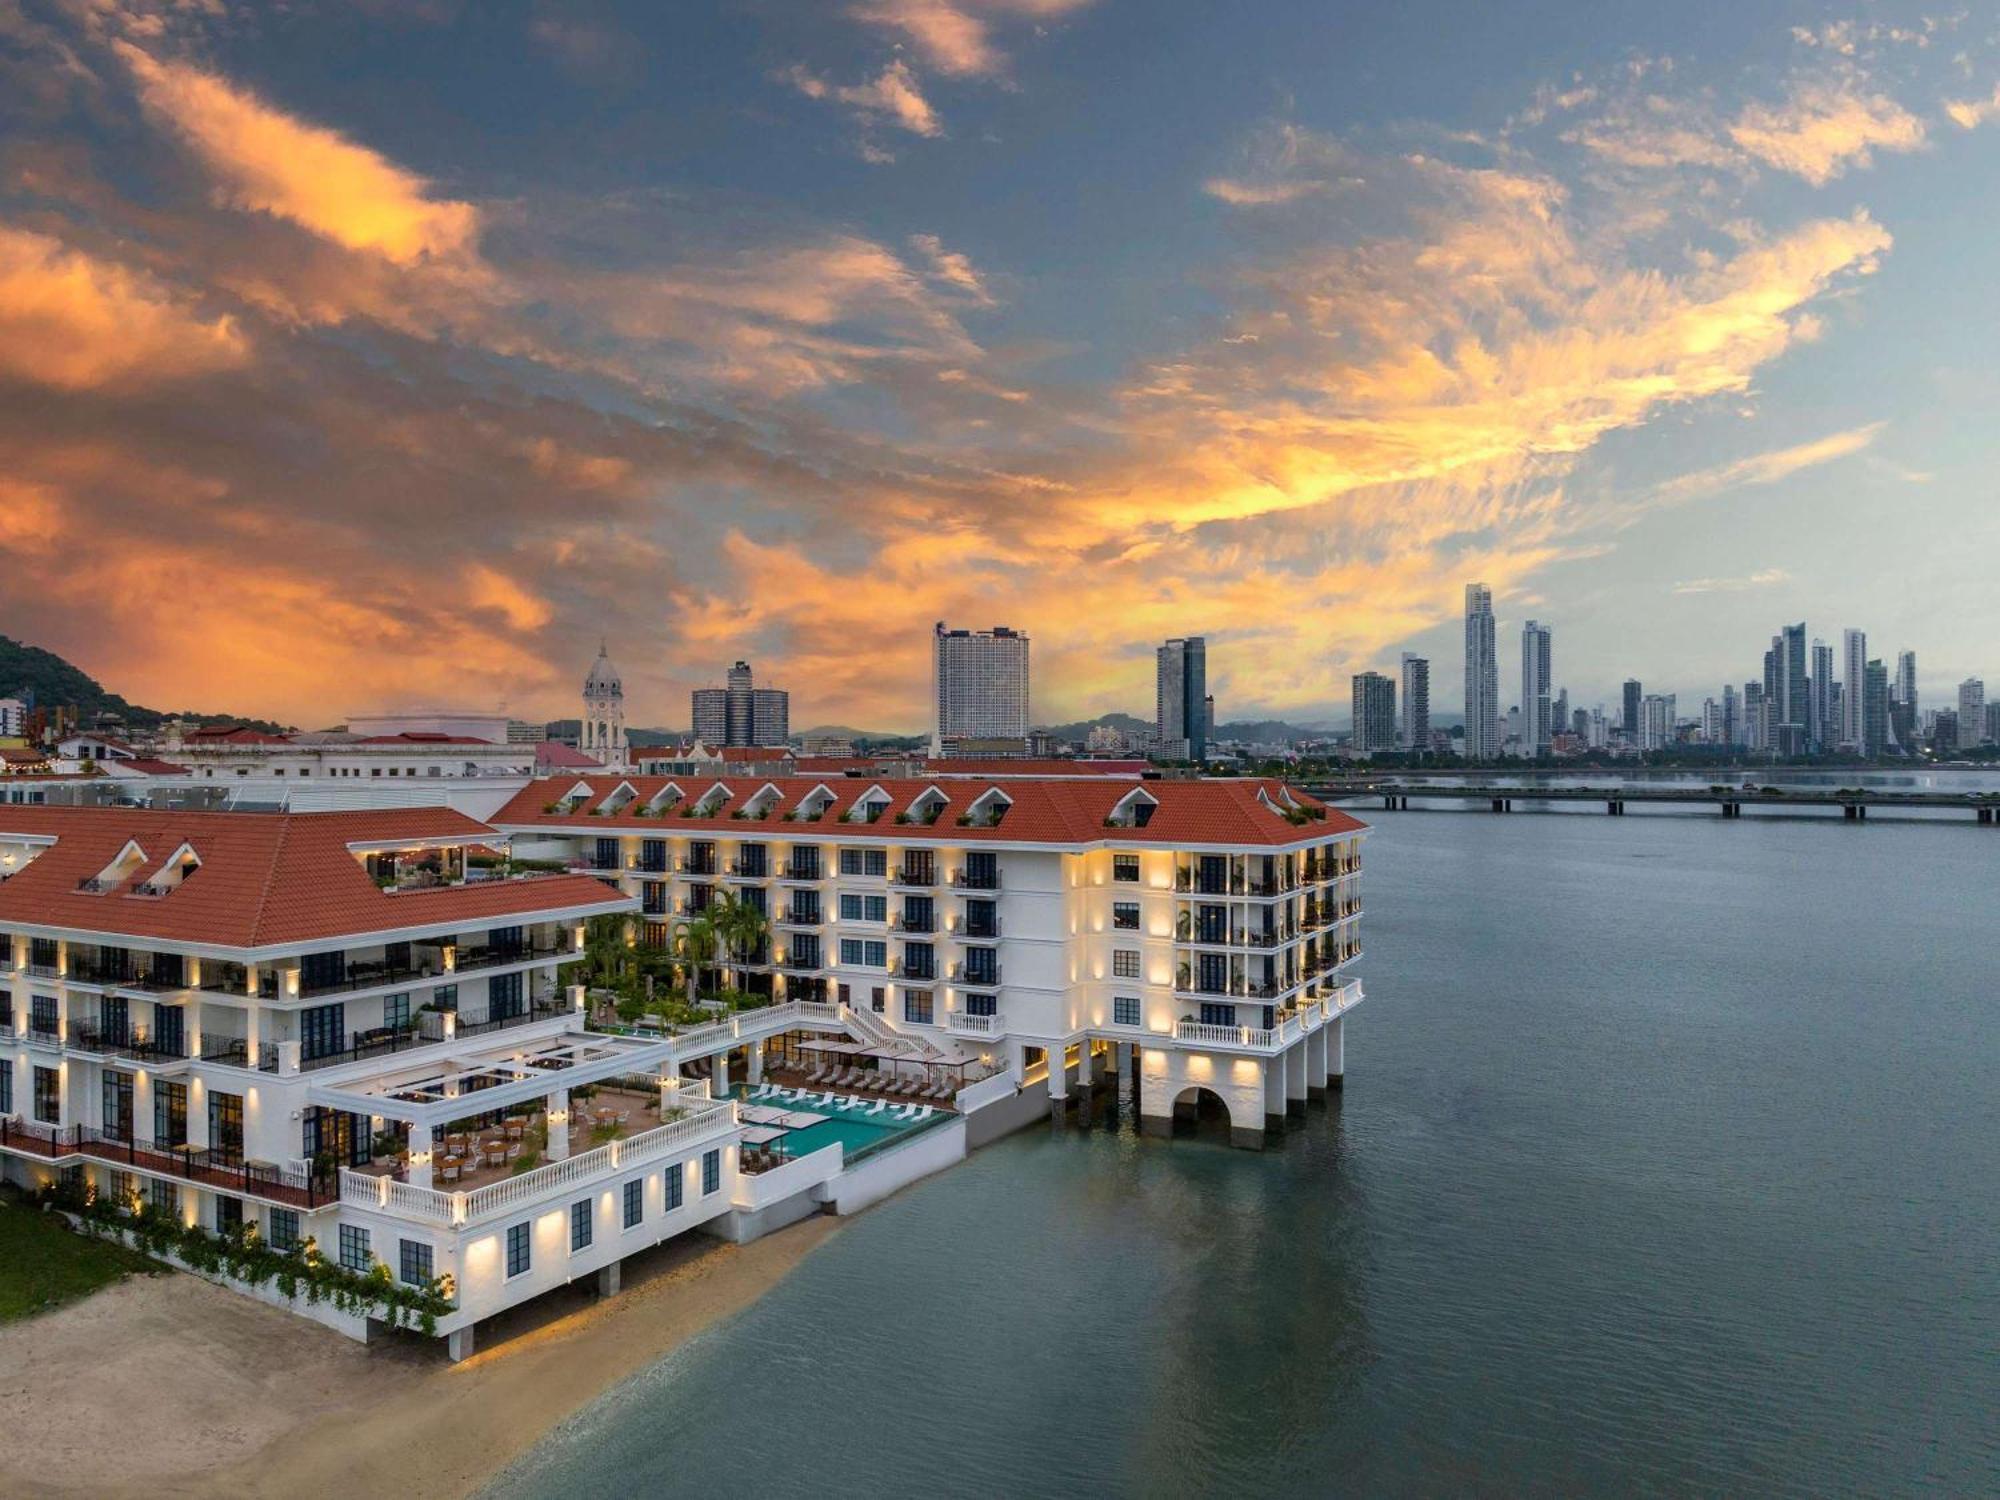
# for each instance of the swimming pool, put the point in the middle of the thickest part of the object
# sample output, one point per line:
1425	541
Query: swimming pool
848	1122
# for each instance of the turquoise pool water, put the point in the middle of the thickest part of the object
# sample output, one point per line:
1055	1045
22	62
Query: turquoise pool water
855	1129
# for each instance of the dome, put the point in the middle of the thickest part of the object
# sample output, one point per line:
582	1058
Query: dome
603	676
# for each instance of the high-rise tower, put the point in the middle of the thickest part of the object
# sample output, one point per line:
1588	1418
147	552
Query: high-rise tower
1535	727
1482	676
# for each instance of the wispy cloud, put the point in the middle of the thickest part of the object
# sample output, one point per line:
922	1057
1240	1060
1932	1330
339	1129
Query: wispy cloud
1767	468
956	36
1763	578
892	97
1823	129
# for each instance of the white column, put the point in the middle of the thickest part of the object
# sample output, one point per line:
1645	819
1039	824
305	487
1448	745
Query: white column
421	1154
721	1084
756	1074
558	1116
1336	1053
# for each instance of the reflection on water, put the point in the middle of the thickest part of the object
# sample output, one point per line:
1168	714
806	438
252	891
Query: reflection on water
1665	1165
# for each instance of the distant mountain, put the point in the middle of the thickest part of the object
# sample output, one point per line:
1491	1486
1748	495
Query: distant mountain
27	671
873	739
1268	731
1123	723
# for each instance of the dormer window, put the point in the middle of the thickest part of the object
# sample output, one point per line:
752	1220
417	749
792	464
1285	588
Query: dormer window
622	796
182	863
925	808
664	800
1134	810
128	862
987	809
760	802
869	806
712	802
812	807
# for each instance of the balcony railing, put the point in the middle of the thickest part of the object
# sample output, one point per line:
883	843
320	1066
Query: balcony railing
745	869
976	975
234	1052
801	872
968	1024
976	880
904	923
800	918
792	965
916	878
209	1168
124	1041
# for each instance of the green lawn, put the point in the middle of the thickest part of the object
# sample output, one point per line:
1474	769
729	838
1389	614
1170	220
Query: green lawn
44	1264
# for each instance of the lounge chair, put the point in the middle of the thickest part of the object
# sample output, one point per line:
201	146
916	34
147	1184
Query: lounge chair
878	1106
924	1112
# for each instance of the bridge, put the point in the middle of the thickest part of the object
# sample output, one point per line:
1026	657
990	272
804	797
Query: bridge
1853	802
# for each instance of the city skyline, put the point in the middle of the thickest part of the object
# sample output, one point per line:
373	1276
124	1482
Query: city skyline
749	348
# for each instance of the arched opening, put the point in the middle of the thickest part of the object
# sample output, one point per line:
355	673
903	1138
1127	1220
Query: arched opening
1201	1112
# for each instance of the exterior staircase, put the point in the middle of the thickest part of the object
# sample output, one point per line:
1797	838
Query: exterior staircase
870	1028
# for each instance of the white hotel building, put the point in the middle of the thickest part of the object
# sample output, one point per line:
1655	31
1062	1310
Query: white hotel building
1044	926
283	1021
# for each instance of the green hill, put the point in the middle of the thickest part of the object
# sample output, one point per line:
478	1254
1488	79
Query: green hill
29	671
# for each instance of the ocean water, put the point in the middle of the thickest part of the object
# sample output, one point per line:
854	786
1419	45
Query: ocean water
1668	1163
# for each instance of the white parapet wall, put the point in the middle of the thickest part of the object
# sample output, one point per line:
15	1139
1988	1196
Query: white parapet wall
767	1201
897	1166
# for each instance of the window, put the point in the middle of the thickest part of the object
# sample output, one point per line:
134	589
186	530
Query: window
1125	916
170	1114
48	1095
518	1258
354	1253
711	1172
1214	1014
864	861
505	997
1125	1010
125	1190
6	1086
579	1225
917	1007
228	1215
396	1012
42	1015
284	1229
322	1028
676	1184
864	953
982	1005
635	1202
919	961
445	997
117	1091
1125	867
225	1125
164	1198
1125	963
878	999
854	908
414	1263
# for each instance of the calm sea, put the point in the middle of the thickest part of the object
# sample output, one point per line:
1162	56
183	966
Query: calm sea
1669	1163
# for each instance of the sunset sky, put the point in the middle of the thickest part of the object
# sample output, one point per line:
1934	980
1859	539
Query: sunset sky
359	356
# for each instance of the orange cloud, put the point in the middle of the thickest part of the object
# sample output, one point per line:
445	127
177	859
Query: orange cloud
1823	129
266	161
955	36
893	96
74	321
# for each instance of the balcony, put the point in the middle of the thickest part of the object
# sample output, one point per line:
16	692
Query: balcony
903	923
749	869
791	965
976	880
292	1187
790	918
696	865
1240	937
963	1023
234	1052
916	879
801	873
978	976
1236	987
985	932
124	1041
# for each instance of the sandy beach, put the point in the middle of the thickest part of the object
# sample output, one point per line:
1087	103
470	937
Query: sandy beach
165	1385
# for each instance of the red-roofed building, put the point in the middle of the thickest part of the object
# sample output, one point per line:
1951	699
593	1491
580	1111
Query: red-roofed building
1017	919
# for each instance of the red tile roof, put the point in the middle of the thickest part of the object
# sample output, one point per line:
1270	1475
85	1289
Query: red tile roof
1046	810
147	766
419	737
232	734
266	879
554	755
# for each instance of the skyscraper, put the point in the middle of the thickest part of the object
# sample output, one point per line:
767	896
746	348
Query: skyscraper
1854	695
1794	693
1904	689
980	680
1633	696
1374	712
1180	698
1482	676
1971	712
1416	719
1732	715
742	713
1656	721
1874	707
1535	704
1820	727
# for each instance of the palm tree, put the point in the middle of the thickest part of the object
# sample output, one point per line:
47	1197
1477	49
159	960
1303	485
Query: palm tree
741	926
698	935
